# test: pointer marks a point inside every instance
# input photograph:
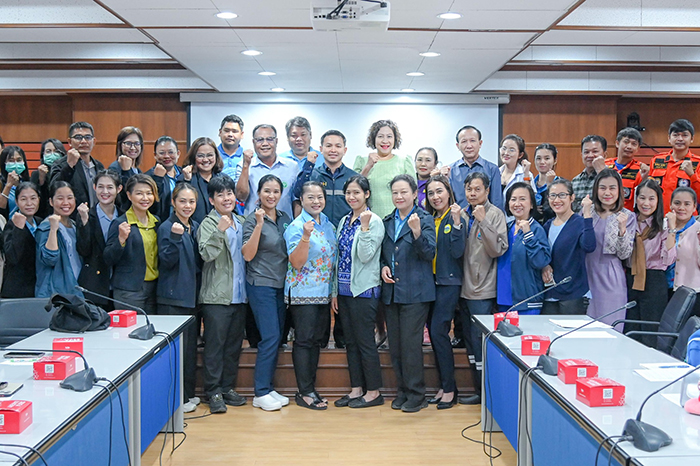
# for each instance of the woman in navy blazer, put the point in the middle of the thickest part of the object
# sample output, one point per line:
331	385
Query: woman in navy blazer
448	270
180	276
132	247
408	250
571	237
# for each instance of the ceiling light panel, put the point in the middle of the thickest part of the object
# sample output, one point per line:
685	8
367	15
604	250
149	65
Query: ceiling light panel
136	52
74	35
55	12
635	13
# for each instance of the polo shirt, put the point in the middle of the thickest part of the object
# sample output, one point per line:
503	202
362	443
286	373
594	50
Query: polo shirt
230	161
290	155
459	171
667	171
150	242
269	266
284	168
631	178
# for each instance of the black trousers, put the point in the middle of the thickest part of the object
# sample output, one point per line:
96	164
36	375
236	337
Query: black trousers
404	325
571	307
224	326
442	311
358	317
310	322
145	298
189	346
650	304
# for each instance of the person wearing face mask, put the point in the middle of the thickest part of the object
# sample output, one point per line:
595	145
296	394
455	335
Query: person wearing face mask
13	170
19	245
51	151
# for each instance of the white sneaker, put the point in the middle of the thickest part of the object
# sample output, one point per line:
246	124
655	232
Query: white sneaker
189	406
267	403
195	400
281	398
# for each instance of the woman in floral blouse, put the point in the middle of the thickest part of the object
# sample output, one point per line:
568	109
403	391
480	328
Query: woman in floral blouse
312	247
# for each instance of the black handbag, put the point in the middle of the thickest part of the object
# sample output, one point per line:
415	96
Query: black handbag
75	314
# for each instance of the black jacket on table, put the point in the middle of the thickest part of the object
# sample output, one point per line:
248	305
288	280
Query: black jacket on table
60	170
95	273
128	262
19	246
412	261
179	263
449	267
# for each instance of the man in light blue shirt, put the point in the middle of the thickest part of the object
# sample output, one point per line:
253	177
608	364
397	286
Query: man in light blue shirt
469	144
231	134
299	138
266	161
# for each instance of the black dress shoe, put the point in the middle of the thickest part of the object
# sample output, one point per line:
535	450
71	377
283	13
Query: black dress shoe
344	401
414	406
398	402
448	404
470	400
434	400
361	403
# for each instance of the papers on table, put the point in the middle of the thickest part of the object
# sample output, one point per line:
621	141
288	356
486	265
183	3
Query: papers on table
674	398
586	334
663	372
577	323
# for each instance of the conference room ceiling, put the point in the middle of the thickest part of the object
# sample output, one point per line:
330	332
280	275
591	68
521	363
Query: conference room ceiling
515	46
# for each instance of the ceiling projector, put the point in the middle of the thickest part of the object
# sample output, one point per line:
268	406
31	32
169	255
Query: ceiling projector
349	15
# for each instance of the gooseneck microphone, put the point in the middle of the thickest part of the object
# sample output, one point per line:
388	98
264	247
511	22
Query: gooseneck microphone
142	333
549	364
645	436
507	329
80	381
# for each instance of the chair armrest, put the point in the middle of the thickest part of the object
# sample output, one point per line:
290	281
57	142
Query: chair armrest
658	334
640	322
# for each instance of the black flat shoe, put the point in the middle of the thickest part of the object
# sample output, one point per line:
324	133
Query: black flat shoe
447	404
344	401
361	403
299	398
470	400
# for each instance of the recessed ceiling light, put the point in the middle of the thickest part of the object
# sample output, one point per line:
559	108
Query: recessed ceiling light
429	54
415	73
277	89
449	15
226	15
252	53
408	89
267	73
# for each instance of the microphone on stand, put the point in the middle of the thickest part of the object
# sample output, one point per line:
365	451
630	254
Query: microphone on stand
142	333
549	364
645	436
507	329
80	381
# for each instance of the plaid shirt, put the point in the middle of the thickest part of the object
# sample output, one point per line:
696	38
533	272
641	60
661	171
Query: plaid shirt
583	186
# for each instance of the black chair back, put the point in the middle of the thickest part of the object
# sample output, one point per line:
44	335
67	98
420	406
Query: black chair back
680	349
21	318
677	312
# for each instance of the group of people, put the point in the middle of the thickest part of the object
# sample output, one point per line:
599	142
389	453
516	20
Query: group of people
395	239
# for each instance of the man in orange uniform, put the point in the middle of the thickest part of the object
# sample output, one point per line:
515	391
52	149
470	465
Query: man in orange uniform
679	167
630	169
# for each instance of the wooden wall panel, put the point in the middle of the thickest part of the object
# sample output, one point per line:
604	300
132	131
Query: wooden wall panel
155	114
562	121
657	114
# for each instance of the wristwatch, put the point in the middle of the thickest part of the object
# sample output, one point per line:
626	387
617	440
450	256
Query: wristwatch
458	227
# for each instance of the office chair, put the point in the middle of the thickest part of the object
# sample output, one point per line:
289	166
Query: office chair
21	318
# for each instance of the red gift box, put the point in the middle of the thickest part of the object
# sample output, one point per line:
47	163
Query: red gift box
534	345
54	367
570	370
510	317
596	392
73	344
15	416
123	318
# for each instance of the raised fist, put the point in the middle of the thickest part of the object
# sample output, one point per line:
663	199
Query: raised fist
124	230
159	170
177	228
125	162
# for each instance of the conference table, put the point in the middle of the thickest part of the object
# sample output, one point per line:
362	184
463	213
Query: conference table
73	428
545	423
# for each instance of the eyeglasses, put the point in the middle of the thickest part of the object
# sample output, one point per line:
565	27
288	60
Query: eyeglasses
83	137
132	144
205	156
261	140
509	150
553	196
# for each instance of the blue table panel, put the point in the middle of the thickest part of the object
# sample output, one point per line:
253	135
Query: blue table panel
88	444
557	438
501	391
160	375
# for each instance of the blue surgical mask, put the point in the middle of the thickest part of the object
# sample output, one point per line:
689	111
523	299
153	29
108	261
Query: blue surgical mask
17	167
52	157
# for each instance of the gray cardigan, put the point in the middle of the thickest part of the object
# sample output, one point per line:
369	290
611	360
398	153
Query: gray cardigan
366	251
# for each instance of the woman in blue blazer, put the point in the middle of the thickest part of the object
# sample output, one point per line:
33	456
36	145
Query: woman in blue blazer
179	277
448	270
520	267
571	237
408	250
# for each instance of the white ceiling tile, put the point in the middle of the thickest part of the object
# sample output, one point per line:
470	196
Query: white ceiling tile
662	38
196	37
680	54
505	80
675	82
626	13
465	6
617	82
556	81
81	51
480	40
75	35
54	12
544	53
676	14
568	37
504	20
628	54
117	79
